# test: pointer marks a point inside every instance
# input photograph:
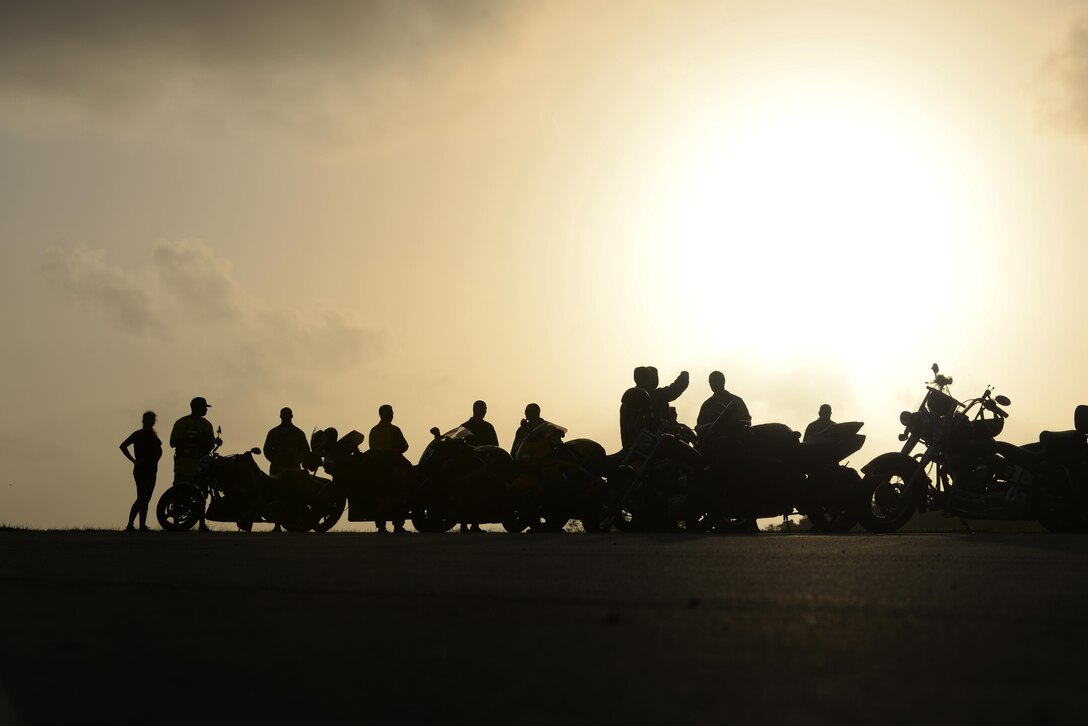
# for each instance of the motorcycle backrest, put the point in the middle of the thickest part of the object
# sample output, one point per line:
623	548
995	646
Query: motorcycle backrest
1080	420
352	439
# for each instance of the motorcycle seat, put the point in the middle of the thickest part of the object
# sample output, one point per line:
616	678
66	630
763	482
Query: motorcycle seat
1027	456
1064	444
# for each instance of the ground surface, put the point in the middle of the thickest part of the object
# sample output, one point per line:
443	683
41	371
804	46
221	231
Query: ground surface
785	629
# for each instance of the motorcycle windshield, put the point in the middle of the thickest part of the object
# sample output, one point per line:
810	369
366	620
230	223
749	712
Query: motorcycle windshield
458	433
548	429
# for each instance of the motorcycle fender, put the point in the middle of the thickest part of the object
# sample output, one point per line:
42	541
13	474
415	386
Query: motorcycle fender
891	462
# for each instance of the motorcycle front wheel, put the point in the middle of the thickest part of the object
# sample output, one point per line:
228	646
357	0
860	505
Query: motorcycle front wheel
179	508
887	502
330	515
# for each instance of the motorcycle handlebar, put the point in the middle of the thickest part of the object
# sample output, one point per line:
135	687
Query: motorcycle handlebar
992	407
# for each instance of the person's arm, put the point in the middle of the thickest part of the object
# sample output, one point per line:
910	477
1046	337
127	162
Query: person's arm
269	447
677	387
127	443
403	443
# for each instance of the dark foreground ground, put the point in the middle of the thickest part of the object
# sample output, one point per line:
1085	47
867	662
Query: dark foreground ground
784	629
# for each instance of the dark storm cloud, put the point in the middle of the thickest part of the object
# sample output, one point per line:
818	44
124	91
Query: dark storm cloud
1064	100
111	54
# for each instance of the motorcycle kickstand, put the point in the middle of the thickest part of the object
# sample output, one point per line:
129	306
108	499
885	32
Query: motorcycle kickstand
967	525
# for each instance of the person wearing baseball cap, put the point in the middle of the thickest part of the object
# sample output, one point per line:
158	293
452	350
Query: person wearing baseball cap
192	438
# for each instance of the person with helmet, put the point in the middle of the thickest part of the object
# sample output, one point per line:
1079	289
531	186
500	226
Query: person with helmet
192	438
636	409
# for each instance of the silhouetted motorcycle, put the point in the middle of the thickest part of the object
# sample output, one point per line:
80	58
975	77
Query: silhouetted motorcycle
377	486
460	482
765	471
557	481
233	488
967	473
649	490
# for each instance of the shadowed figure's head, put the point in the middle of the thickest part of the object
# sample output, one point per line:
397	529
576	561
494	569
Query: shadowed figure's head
199	406
717	381
385	413
479	409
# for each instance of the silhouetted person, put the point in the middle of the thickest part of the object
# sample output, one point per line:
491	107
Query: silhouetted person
192	438
819	428
485	435
531	421
482	430
663	396
285	445
722	406
148	448
387	441
636	408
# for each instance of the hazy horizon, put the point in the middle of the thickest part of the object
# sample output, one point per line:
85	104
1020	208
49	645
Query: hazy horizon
340	205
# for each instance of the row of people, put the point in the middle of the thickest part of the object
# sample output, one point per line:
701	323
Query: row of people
645	405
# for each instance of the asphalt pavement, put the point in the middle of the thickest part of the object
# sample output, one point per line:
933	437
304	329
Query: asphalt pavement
161	628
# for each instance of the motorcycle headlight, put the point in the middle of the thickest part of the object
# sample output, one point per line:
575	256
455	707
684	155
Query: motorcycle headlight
904	418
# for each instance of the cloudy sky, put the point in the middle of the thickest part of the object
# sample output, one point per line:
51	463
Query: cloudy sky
335	205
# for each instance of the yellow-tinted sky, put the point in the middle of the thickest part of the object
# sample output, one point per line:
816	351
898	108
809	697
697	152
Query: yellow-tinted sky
336	205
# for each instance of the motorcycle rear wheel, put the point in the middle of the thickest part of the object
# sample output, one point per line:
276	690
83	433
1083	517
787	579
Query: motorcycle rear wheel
887	502
179	508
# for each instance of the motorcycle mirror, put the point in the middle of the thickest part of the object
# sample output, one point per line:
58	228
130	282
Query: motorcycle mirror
255	451
1002	400
218	430
435	432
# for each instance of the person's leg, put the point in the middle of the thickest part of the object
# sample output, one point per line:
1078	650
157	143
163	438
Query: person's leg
145	487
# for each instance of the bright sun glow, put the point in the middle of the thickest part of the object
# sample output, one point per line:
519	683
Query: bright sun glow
807	228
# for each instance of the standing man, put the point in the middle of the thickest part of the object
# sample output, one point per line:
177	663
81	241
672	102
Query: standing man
482	430
820	426
145	465
192	439
388	444
285	445
485	436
